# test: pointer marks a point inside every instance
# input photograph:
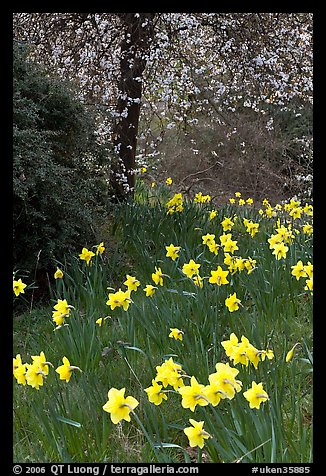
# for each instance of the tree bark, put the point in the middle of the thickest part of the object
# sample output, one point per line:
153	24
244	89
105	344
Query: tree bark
138	34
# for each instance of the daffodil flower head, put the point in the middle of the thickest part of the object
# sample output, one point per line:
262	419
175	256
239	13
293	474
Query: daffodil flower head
232	302
307	229
198	281
193	395
42	362
190	269
309	285
119	406
218	277
19	370
119	299
298	270
169	373
19	287
290	354
65	371
155	393
227	224
176	334
196	434
224	380
149	290
256	395
100	248
101	320
230	246
280	250
86	255
172	251
208	239
230	344
225	237
132	283
34	375
157	276
58	274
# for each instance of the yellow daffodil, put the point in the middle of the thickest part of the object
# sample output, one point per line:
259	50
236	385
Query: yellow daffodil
255	395
86	255
119	299
157	277
250	264
230	246
232	302
196	434
214	248
34	375
227	224
58	274
224	379
225	237
208	239
19	370
176	333
309	269
296	213
65	370
100	248
219	277
132	283
42	362
155	393
308	209
212	214
309	285
61	311
168	181
298	270
280	250
290	354
149	290
192	395
19	287
252	228
119	406
191	268
169	373
101	320
175	204
198	281
172	251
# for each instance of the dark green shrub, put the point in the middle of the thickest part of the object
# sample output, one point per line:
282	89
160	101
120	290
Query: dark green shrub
59	184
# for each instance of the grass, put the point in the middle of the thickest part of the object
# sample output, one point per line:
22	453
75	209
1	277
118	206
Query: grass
65	422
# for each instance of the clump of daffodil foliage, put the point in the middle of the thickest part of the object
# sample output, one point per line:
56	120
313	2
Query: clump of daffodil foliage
204	342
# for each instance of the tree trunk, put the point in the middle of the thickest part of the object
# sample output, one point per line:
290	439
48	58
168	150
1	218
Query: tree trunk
138	34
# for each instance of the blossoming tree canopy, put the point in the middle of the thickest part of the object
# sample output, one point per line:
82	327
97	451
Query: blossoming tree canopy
173	66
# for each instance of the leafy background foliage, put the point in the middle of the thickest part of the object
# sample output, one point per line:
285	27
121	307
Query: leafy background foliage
58	173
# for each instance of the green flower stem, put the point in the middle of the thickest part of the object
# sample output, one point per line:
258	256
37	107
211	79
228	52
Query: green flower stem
145	434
